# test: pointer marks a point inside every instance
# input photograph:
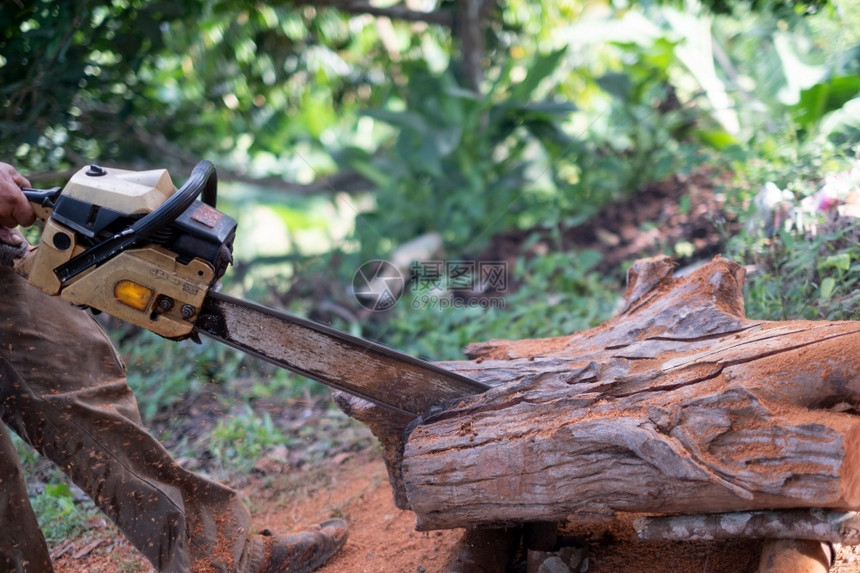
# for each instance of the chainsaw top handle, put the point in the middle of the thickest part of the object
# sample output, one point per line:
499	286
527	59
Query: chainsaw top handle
202	180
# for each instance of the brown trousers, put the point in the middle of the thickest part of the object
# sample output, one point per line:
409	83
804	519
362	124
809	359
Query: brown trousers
63	390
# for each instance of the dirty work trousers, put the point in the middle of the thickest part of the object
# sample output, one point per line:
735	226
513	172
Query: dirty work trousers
63	390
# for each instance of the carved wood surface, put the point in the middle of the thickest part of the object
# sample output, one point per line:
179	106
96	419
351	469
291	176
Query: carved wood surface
678	404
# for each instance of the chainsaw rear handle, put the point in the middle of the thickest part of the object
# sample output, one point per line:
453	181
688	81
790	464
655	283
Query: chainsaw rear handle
203	180
42	200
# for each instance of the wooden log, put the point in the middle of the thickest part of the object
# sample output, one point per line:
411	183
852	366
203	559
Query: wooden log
678	404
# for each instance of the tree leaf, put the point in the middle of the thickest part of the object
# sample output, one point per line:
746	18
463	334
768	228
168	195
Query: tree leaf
827	287
616	84
399	119
717	138
543	66
841	261
823	98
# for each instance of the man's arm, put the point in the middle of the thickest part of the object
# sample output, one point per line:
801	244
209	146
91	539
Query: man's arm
14	208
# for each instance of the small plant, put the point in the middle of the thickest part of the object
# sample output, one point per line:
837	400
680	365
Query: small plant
59	515
238	441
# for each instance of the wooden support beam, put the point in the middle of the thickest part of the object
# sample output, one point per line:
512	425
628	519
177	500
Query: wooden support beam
817	524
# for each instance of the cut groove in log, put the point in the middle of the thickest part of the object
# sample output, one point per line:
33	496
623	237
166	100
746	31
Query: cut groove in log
678	404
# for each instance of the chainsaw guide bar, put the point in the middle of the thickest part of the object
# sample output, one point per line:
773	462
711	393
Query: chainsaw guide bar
390	379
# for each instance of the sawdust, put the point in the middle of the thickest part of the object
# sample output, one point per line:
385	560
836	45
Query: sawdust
223	550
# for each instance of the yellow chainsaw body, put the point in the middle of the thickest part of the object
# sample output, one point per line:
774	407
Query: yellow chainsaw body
147	285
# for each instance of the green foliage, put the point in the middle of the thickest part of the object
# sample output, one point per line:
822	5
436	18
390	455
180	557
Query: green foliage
777	8
824	98
807	266
804	268
59	516
814	278
461	162
790	71
254	80
168	82
238	441
469	165
69	70
839	86
646	134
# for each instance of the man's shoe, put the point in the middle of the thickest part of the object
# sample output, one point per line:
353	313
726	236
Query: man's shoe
304	551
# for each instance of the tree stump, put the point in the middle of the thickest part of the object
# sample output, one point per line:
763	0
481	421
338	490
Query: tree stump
677	405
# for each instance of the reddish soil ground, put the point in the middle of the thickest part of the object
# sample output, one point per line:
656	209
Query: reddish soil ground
382	538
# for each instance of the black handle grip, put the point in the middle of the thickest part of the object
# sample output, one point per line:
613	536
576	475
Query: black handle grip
43	200
43	197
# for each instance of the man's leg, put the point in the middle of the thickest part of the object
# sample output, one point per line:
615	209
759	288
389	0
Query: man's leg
22	547
63	389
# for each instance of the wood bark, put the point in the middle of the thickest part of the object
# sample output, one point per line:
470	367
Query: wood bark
470	18
678	404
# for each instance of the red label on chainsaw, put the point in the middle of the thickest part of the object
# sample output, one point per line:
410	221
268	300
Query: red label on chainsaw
206	215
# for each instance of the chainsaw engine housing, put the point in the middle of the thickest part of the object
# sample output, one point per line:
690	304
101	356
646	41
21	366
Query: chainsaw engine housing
160	280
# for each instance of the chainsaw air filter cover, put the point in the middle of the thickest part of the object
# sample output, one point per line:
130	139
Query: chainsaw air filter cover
98	203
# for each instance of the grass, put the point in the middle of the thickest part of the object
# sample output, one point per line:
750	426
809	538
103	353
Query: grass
238	441
554	294
60	513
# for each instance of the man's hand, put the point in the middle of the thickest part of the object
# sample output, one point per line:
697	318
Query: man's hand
14	208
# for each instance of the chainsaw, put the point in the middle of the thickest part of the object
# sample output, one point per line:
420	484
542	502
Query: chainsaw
132	245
